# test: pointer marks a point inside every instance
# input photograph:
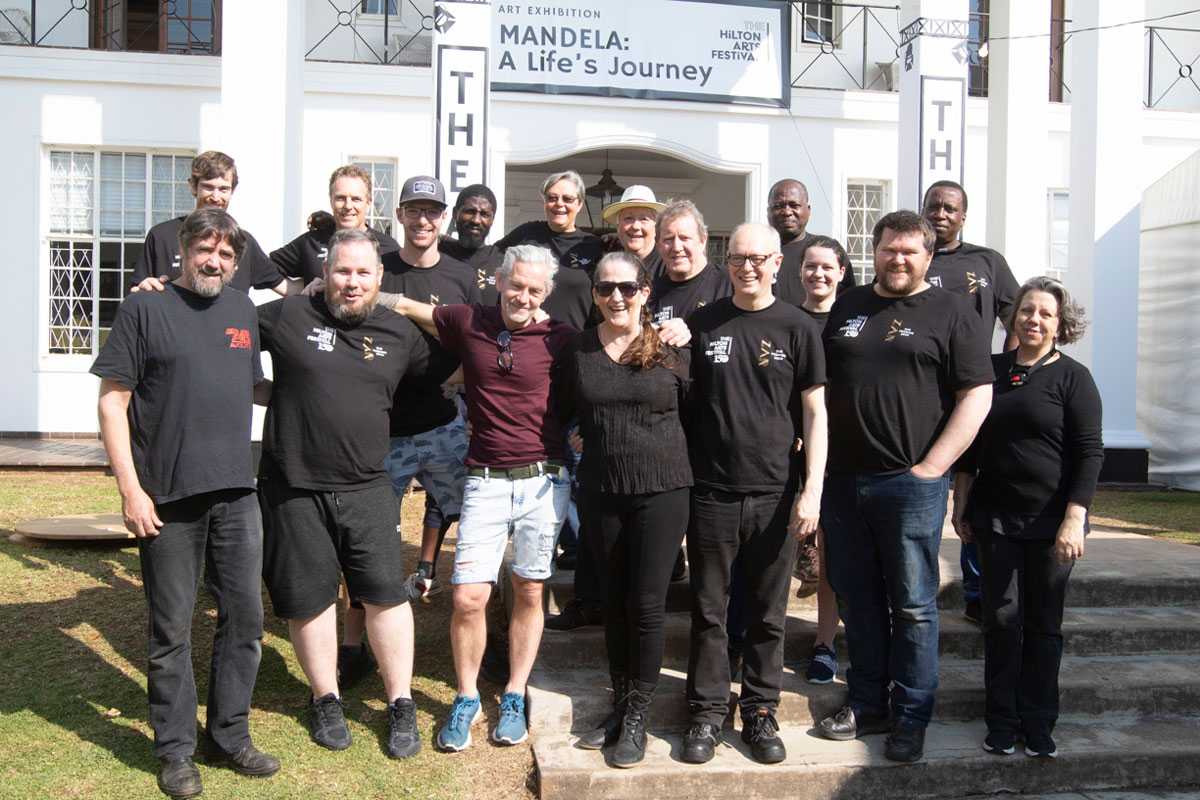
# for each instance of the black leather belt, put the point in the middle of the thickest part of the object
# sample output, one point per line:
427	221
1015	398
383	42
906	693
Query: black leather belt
556	469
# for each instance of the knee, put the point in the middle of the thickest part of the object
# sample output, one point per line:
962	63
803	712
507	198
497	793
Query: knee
527	592
470	599
923	614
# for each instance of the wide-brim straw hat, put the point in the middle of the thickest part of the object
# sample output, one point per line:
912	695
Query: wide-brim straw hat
636	196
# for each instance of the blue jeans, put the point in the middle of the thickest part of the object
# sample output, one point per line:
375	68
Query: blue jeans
882	534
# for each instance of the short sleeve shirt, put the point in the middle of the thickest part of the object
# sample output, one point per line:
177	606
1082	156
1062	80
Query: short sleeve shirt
678	299
575	250
982	275
160	256
789	286
303	258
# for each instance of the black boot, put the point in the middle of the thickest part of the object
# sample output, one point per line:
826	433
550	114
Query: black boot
631	747
610	729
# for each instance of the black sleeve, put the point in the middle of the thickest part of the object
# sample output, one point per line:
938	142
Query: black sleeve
257	375
811	353
123	356
514	237
1083	443
422	363
682	369
287	258
263	272
268	319
141	269
563	380
969	360
1005	289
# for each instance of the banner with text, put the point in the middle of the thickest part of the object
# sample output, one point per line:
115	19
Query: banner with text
460	75
721	52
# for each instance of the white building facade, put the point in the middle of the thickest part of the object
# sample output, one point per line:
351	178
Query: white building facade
104	110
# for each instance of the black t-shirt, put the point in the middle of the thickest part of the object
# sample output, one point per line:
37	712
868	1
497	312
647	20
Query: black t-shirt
983	275
1040	448
483	260
894	367
748	371
419	404
304	256
571	300
160	256
192	364
670	299
575	250
789	286
327	423
819	317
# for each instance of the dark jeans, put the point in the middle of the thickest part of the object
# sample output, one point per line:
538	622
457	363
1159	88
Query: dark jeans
636	537
216	534
1024	589
735	616
882	534
753	530
968	562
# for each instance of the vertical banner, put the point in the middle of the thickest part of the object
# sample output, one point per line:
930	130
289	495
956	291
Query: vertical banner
462	34
943	130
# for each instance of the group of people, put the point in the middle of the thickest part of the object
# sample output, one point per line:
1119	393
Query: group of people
743	410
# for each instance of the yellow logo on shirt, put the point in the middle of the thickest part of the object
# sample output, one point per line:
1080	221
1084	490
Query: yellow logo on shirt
896	328
975	283
370	351
767	353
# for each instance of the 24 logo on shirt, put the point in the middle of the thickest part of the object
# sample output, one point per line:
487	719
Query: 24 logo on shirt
239	338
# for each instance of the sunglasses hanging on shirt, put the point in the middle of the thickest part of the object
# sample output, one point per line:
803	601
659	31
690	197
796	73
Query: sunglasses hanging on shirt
1018	374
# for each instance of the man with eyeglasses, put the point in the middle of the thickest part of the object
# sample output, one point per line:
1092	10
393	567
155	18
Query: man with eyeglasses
788	212
758	375
517	484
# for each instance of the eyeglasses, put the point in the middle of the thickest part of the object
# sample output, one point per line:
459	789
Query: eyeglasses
627	288
416	212
504	360
755	259
565	199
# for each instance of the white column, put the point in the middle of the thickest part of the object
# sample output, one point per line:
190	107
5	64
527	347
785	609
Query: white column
1106	195
462	39
1018	94
261	115
933	95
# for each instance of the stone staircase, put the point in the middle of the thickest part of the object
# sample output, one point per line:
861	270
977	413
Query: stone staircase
1130	685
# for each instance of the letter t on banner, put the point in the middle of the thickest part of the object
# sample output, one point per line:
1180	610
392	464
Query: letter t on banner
462	35
933	95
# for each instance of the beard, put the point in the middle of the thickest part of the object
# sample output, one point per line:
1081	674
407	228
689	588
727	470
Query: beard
207	286
351	316
470	241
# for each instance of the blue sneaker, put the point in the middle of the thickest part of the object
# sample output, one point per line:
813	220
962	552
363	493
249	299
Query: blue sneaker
455	735
511	727
823	666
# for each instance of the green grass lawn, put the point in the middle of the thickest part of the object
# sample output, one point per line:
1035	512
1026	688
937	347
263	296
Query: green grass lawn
73	716
1173	515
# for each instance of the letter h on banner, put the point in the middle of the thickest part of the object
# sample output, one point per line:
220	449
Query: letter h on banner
462	31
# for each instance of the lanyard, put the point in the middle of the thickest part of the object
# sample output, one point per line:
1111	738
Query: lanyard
1018	374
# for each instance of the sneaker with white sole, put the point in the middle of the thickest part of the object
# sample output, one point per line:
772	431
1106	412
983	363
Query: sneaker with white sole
511	729
455	735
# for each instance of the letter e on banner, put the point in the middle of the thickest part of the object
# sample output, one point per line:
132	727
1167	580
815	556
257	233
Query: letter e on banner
462	34
943	130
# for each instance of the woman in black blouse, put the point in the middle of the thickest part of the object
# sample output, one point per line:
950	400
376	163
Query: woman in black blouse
626	388
1031	475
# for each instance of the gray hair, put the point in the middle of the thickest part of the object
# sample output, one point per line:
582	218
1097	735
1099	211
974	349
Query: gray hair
206	223
1071	319
567	175
529	254
351	236
680	208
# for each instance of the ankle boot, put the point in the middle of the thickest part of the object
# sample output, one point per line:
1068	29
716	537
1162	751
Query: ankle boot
610	729
631	746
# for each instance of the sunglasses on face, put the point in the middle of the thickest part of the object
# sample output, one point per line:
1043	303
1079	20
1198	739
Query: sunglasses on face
504	359
627	288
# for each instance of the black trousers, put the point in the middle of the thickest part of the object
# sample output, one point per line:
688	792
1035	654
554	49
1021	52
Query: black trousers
1024	589
635	538
753	530
215	534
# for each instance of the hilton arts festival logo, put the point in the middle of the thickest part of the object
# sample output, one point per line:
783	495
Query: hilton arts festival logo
719	350
853	327
323	338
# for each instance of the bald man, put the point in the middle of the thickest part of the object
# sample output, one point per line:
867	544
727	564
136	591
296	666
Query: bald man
788	212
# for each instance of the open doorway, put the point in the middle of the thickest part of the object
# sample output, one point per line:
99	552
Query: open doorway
721	197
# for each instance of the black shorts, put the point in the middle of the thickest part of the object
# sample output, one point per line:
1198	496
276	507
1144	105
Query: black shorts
311	538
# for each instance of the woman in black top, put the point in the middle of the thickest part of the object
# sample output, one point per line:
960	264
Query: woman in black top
626	387
563	196
1031	475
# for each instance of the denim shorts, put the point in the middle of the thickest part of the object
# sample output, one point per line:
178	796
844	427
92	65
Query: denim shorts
530	510
435	458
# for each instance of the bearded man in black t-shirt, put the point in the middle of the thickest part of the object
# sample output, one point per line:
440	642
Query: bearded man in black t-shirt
909	385
177	376
758	375
473	214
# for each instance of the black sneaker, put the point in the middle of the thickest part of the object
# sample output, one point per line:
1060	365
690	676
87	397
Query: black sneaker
1040	745
354	662
327	722
906	743
973	611
575	614
1000	743
178	777
848	724
700	743
761	732
402	739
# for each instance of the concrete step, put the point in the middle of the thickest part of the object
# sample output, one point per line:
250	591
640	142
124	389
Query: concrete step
1094	753
577	700
1087	631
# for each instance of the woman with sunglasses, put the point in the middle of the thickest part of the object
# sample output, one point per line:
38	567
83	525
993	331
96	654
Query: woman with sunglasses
626	386
1031	475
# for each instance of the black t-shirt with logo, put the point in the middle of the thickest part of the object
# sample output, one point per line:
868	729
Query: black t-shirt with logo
192	364
160	256
789	285
576	250
304	257
819	317
419	404
483	260
670	299
980	273
894	367
327	423
748	371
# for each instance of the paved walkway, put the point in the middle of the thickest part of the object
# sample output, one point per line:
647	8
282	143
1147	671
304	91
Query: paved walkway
62	453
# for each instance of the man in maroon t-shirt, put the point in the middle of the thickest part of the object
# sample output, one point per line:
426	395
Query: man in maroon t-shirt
516	478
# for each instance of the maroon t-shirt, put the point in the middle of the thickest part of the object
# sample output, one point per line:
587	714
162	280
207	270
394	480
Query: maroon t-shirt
513	417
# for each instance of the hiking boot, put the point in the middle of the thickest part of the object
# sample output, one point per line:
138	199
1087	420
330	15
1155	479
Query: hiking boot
700	743
178	777
906	743
575	614
327	722
402	738
808	567
631	745
761	732
354	662
848	724
610	729
455	735
511	728
1001	743
822	668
